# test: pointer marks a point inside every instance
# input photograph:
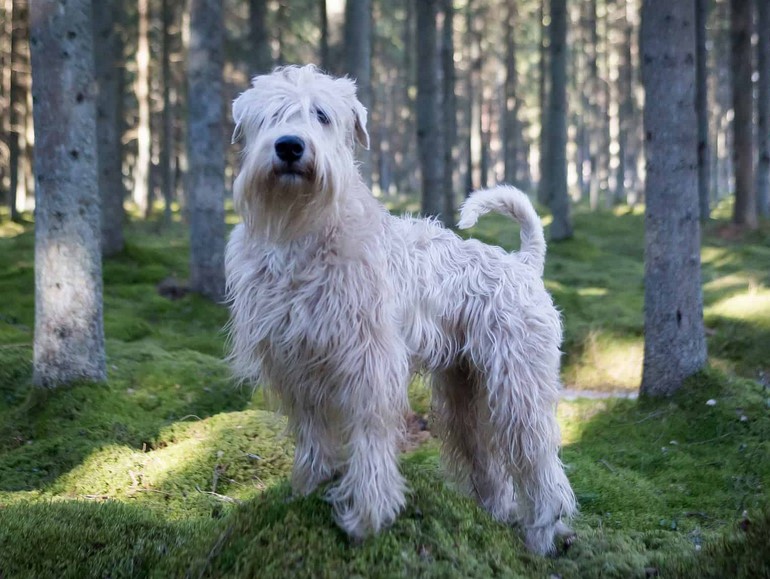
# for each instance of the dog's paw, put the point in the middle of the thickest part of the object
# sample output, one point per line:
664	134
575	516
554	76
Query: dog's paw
553	539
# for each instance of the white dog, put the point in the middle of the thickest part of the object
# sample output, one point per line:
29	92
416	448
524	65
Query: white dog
336	303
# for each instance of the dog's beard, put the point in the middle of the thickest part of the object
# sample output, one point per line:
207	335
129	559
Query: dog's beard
281	202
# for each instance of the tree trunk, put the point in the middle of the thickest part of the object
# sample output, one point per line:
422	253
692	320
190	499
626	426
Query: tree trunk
167	141
556	144
745	209
19	147
358	54
594	90
262	60
69	334
625	107
511	108
702	107
543	187
205	145
449	110
6	53
675	345
325	55
428	125
141	193
763	110
106	55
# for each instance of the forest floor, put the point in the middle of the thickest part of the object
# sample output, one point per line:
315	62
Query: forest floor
168	470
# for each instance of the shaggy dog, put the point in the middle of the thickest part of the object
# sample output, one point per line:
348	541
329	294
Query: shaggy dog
335	304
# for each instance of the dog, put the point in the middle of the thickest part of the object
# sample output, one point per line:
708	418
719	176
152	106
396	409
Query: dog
335	304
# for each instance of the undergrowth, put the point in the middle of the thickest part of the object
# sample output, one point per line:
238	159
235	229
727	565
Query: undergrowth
169	470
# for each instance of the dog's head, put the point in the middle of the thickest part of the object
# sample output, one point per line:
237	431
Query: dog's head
298	128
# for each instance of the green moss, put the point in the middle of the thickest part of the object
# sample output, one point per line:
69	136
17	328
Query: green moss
169	469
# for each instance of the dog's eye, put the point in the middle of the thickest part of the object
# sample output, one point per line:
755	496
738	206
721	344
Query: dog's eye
321	116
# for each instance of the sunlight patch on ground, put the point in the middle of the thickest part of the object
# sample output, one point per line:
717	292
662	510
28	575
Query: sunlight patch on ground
606	363
10	229
592	291
228	457
752	306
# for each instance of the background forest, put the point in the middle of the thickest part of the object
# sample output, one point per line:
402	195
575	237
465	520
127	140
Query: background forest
640	127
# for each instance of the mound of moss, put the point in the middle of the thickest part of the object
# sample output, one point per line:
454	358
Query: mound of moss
168	469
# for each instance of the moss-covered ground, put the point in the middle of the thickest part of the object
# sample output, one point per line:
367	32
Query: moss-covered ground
169	470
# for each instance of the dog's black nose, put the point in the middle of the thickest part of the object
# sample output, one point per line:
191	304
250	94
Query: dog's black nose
289	148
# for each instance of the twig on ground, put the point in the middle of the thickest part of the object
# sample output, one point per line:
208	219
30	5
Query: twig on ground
608	465
223	498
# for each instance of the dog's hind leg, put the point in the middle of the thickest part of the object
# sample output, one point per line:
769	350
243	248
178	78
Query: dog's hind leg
522	393
468	451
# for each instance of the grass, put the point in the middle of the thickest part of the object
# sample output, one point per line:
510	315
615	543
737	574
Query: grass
169	470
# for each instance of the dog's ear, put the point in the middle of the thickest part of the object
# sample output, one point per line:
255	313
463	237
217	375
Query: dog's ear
362	136
237	133
241	106
237	119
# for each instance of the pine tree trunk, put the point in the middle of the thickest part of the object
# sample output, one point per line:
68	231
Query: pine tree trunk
141	193
205	146
702	107
69	334
262	60
543	187
449	110
674	346
556	145
358	53
428	125
595	120
626	107
167	114
745	209
6	53
763	110
109	149
510	110
324	56
20	86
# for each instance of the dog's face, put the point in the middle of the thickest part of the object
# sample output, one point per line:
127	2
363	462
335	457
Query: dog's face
298	128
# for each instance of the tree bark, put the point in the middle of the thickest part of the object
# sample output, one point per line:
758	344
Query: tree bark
325	55
358	54
675	345
69	334
141	194
763	110
6	54
205	146
702	108
511	108
259	37
449	110
745	209
167	114
428	125
543	187
19	146
106	56
556	144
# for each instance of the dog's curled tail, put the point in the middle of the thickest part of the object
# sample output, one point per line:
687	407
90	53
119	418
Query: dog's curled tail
516	205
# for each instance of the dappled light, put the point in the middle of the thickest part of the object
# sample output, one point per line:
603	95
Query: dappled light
208	191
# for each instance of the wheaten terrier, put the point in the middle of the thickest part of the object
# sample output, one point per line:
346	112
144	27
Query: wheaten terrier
335	304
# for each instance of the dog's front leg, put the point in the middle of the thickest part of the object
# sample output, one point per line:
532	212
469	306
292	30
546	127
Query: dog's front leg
315	450
370	492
